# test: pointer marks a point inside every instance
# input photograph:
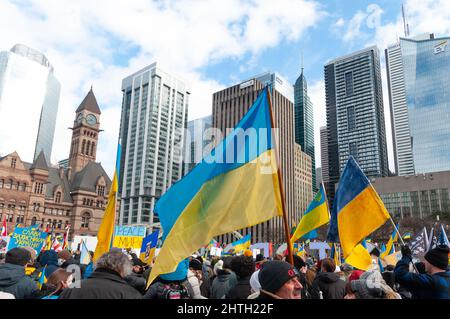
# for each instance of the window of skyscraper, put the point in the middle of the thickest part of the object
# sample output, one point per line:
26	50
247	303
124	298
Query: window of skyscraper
351	118
353	150
349	83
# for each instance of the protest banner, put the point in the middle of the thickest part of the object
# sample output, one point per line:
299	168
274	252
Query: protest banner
27	237
129	236
4	241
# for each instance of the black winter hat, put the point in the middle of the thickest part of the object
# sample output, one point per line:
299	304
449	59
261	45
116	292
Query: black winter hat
195	264
438	257
18	256
298	262
274	274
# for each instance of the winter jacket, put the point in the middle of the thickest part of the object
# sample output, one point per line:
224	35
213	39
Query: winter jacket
222	284
14	281
69	262
241	290
49	261
137	281
103	284
330	284
195	284
422	286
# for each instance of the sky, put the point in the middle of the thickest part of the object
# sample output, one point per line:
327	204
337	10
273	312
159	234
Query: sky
210	44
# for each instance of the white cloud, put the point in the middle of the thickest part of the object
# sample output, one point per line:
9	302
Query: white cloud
339	23
85	40
354	27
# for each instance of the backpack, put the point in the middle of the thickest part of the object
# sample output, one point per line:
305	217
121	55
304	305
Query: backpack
173	291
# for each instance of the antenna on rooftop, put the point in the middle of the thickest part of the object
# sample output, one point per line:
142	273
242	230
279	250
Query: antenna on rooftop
405	23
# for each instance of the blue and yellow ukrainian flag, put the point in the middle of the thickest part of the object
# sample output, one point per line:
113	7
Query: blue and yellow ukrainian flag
85	256
316	215
407	235
335	254
242	244
390	245
357	211
106	230
234	187
148	247
42	278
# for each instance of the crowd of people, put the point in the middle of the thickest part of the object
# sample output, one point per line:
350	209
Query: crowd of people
122	275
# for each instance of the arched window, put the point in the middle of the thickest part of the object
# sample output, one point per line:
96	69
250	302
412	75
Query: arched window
59	224
10	183
83	146
88	147
92	148
85	219
58	197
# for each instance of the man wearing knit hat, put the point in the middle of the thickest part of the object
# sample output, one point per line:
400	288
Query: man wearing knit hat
435	283
279	280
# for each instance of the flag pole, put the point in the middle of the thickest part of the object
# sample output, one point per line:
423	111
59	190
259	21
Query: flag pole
401	239
280	181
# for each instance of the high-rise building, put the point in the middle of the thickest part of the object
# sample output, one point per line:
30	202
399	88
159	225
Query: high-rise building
355	115
27	86
154	116
197	142
324	154
303	182
418	72
304	122
229	106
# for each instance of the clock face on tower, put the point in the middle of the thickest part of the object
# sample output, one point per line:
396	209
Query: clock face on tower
91	119
79	118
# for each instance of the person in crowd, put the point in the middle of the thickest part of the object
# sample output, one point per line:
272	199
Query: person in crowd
59	280
302	268
65	259
370	286
174	285
196	268
420	266
259	261
279	280
48	261
328	284
12	275
255	285
136	278
243	267
225	279
107	281
435	283
31	266
194	277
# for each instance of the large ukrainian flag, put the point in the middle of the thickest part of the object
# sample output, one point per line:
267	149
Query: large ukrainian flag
357	210
316	215
217	198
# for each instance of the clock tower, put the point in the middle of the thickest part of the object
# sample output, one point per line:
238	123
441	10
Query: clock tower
85	130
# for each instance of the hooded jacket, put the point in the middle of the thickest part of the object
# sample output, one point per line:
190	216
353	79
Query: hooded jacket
14	281
103	284
241	290
222	284
330	284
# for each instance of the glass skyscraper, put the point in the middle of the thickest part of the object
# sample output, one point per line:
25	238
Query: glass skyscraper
198	144
304	122
355	115
154	116
420	103
29	97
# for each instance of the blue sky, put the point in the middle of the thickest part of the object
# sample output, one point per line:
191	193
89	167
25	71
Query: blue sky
210	44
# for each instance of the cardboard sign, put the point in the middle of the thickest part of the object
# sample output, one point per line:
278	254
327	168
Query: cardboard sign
322	247
133	242
133	231
27	237
4	241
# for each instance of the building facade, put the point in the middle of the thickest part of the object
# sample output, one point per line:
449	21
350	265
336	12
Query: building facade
54	197
355	114
418	71
304	122
324	154
303	182
229	106
27	86
154	116
415	196
198	142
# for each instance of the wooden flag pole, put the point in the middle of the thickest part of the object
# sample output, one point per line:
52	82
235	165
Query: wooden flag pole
280	181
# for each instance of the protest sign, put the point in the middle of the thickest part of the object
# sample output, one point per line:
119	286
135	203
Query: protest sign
129	236
4	241
27	236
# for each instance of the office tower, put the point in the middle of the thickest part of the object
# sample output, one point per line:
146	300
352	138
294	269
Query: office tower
29	96
418	73
303	182
229	106
324	154
197	142
154	116
355	115
304	122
